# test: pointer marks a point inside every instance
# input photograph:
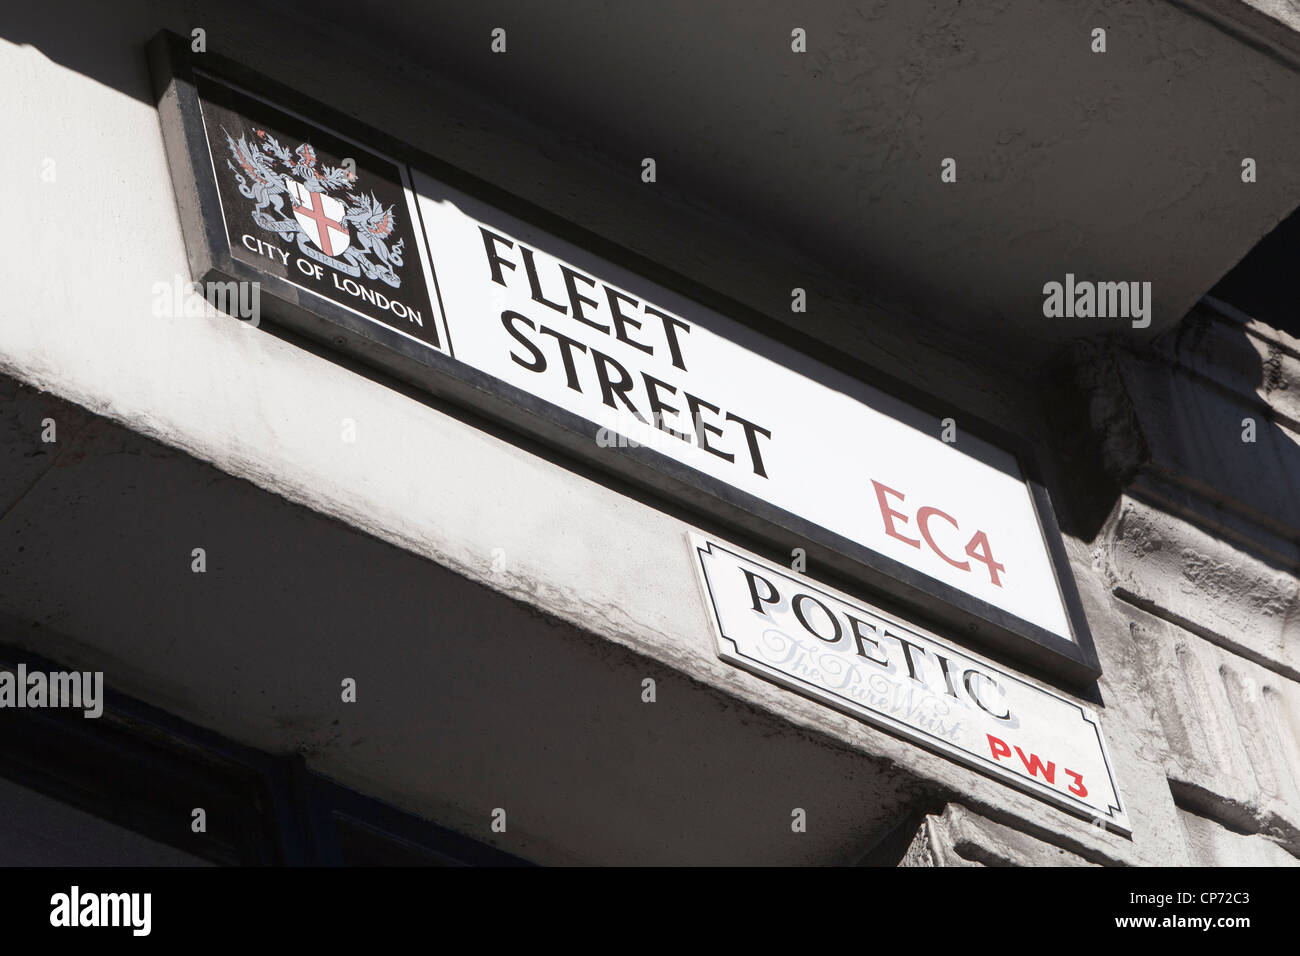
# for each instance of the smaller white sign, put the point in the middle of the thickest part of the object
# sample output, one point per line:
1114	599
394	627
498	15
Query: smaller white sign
858	659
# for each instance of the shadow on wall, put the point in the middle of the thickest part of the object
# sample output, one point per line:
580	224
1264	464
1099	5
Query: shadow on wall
1205	419
1263	285
88	37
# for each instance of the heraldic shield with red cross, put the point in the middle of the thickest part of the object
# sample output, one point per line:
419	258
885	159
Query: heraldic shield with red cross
317	210
320	216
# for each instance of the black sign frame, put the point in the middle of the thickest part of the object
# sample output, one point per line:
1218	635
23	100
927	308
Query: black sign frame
993	628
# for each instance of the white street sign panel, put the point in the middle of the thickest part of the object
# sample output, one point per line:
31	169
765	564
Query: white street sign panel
860	660
545	316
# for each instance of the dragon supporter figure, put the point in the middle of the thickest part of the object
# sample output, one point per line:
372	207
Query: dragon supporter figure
350	231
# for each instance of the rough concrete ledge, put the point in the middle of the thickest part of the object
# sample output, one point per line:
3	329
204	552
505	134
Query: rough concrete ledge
958	837
1191	578
1231	729
1213	844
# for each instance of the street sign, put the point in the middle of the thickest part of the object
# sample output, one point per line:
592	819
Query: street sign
394	258
857	658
